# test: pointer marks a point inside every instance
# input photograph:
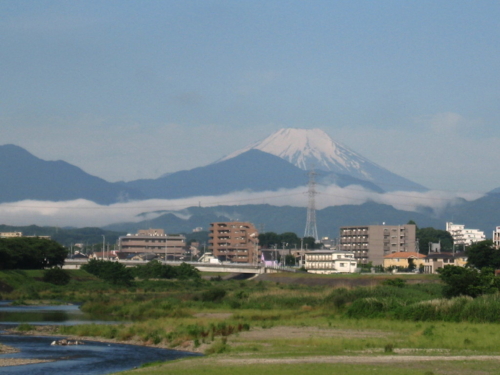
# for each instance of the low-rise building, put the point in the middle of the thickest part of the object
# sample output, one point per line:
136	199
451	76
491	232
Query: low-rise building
156	241
435	261
329	261
403	259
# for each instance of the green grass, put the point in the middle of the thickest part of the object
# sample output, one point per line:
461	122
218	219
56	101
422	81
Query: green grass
201	366
286	321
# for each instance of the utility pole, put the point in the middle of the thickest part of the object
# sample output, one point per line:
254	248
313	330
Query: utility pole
103	245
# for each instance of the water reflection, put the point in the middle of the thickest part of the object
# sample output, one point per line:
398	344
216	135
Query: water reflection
93	358
42	315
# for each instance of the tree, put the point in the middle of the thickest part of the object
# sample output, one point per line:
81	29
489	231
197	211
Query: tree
463	281
427	235
56	276
187	271
30	253
112	272
411	264
483	254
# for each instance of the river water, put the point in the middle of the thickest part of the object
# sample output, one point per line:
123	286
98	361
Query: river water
93	358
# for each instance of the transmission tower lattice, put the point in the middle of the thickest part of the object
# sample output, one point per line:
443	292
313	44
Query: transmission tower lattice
311	230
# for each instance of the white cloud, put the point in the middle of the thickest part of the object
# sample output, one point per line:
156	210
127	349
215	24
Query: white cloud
449	123
81	213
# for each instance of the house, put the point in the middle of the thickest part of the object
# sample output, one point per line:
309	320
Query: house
269	258
78	255
105	255
403	259
144	257
330	261
435	261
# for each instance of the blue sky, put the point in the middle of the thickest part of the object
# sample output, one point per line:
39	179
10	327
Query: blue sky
135	89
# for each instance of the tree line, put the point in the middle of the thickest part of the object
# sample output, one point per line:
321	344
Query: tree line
28	253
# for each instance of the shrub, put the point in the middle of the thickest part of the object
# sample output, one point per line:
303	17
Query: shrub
112	272
56	276
24	327
398	282
213	295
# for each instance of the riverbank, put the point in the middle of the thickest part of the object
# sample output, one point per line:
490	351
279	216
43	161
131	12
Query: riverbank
5	349
48	330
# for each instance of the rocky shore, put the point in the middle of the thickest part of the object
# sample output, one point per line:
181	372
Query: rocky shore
4	349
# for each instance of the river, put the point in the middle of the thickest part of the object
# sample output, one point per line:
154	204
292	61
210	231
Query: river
93	358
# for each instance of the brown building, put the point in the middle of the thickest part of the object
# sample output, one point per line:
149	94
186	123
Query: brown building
154	241
370	243
234	241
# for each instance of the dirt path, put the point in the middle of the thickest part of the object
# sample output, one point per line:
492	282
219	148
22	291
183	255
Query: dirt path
354	359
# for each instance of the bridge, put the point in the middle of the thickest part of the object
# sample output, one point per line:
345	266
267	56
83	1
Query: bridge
202	267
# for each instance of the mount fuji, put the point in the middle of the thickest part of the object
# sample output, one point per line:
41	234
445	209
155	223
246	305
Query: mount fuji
314	149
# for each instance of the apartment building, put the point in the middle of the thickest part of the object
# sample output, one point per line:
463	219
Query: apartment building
20	234
171	246
330	261
370	243
234	241
463	236
496	237
10	234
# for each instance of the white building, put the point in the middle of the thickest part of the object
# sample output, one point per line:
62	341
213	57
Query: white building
464	236
328	261
496	237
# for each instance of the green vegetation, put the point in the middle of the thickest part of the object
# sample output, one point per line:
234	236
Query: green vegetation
254	321
467	281
113	272
483	254
56	276
156	270
30	253
427	235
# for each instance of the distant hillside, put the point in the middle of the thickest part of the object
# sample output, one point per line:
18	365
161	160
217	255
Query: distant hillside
253	170
67	236
24	176
269	218
482	213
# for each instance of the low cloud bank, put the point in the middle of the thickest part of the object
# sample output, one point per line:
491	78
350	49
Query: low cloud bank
83	213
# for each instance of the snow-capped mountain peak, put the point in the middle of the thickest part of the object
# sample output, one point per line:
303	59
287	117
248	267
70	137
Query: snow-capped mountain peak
315	149
307	149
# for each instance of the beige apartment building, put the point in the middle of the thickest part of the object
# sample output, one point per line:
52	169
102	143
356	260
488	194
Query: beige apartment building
234	241
171	246
370	243
10	234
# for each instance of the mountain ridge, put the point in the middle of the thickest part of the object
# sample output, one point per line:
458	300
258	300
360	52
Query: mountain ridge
314	149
